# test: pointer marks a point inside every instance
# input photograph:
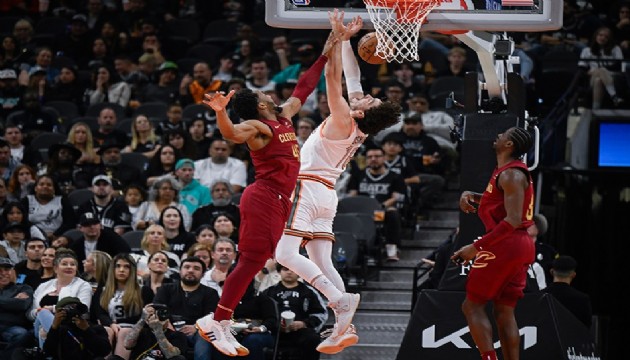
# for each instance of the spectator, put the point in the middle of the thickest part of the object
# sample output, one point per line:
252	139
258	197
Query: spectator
34	121
43	61
48	294
157	265
3	191
268	276
193	195
100	55
165	90
107	131
162	164
174	119
10	93
220	165
164	193
189	300
7	163
80	135
15	300
205	235
50	212
107	88
67	88
95	269
227	69
23	32
95	237
153	241
259	78
388	188
577	302
180	140
74	338
305	127
192	88
9	52
405	74
306	57
153	337
545	253
174	223
21	182
201	136
436	123
116	41
309	308
202	251
420	147
223	256
221	193
224	227
456	63
62	167
111	210
122	175
29	271
76	44
129	72
143	137
118	304
134	196
13	235
48	268
14	211
620	25
14	137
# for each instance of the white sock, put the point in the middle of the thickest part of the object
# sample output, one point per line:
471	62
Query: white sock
326	287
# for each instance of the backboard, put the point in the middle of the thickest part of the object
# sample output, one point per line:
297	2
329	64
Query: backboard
479	15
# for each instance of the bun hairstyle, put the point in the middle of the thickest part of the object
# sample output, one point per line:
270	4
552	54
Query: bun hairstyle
63	253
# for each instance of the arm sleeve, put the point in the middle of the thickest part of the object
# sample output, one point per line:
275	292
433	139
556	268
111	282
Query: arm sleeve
351	69
502	230
310	79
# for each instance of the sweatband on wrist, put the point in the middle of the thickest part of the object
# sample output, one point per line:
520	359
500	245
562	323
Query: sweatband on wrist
351	70
309	80
500	231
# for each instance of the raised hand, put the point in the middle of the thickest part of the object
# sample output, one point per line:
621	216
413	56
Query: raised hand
352	28
336	22
218	101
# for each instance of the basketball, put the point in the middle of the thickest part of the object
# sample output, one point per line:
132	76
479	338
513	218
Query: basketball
367	49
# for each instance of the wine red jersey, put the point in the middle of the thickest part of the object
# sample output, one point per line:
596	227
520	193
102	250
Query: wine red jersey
492	208
278	163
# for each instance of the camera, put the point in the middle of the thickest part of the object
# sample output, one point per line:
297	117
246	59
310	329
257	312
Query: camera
162	312
75	309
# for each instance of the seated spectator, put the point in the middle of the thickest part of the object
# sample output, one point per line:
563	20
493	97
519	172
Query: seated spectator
206	235
50	212
14	211
221	193
15	300
175	229
13	235
15	138
188	300
48	294
577	302
305	126
21	182
122	175
106	87
48	268
34	121
107	133
166	89
309	308
96	237
456	63
67	87
174	119
7	164
155	328
201	251
110	209
118	305
435	123
220	165
223	256
95	269
225	228
201	133
62	166
162	163
157	264
193	194
267	276
192	88
29	271
153	241
164	193
80	135
143	137
74	338
134	196
180	139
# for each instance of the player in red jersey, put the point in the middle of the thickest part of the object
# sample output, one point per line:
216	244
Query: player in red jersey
265	204
502	256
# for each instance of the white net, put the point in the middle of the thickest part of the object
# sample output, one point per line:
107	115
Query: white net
397	25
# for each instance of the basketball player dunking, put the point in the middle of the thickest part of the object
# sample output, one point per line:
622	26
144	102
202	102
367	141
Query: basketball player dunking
270	137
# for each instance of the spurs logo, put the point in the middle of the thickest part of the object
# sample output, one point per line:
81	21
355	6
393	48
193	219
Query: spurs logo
482	259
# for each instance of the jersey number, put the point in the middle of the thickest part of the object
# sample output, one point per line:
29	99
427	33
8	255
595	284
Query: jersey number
296	151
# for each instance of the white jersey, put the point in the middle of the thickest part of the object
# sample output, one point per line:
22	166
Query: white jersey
327	158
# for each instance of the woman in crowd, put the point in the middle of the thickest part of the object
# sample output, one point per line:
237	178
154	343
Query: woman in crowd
205	234
50	212
154	240
80	135
143	137
180	139
224	227
48	269
158	267
202	251
14	211
175	227
21	182
8	52
200	136
67	283
106	87
164	193
119	305
163	163
95	268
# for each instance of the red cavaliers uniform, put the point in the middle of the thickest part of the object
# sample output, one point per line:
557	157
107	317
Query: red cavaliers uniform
265	204
500	270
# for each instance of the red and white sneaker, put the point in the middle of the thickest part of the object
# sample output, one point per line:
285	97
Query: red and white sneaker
335	342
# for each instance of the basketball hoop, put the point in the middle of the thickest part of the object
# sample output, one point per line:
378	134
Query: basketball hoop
397	24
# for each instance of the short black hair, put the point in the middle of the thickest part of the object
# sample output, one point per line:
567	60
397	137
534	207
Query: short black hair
245	104
522	140
194	259
379	118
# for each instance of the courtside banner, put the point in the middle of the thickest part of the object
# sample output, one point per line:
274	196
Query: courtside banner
438	330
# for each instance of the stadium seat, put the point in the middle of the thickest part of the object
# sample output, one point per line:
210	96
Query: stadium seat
41	143
78	197
220	32
185	64
183	28
356	204
134	239
151	109
208	52
125	125
194	111
95	109
136	160
52	25
67	109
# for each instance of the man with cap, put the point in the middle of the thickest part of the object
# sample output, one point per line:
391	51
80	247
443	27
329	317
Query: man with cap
15	300
111	210
13	235
10	93
71	336
165	90
77	43
121	174
577	302
193	195
95	237
63	168
29	271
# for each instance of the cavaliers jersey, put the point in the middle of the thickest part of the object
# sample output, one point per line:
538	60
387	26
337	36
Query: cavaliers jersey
492	208
327	158
278	163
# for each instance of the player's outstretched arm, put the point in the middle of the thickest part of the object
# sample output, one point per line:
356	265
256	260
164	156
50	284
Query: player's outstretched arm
351	69
238	133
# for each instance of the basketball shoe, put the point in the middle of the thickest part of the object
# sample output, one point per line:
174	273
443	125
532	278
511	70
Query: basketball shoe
344	310
335	342
219	334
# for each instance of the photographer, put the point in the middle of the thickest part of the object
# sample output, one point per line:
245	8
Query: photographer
153	337
72	337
